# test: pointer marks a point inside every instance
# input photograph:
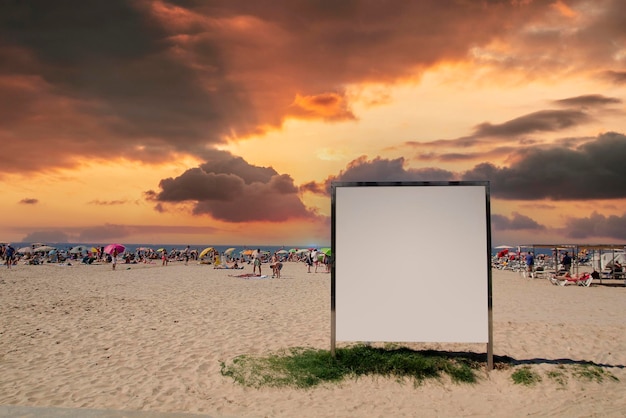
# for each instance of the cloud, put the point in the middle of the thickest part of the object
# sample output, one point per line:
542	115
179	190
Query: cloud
617	77
516	223
597	225
47	236
377	170
29	201
227	188
327	106
542	121
594	170
183	77
589	171
513	138
588	100
98	202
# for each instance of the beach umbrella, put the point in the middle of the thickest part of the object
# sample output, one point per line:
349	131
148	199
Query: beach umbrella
229	251
78	249
503	247
206	251
160	250
118	247
25	250
325	251
282	252
247	252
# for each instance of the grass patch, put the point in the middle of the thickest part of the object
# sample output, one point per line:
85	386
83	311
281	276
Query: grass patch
525	376
559	375
592	373
307	367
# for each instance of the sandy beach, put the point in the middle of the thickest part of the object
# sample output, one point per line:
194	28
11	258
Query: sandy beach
151	338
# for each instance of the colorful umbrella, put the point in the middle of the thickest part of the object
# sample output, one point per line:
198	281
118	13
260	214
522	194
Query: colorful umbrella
206	251
78	249
325	251
229	250
118	247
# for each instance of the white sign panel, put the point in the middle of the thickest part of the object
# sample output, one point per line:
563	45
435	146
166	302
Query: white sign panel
411	262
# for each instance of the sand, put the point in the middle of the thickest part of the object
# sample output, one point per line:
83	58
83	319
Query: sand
151	338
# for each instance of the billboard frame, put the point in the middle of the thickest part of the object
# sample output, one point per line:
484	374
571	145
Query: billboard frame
487	251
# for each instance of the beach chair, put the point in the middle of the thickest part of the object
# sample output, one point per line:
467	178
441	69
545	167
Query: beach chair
584	280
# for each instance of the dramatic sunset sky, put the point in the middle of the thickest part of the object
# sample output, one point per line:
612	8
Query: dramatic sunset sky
217	122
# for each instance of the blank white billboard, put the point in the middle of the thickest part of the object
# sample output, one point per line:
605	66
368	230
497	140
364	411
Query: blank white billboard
411	262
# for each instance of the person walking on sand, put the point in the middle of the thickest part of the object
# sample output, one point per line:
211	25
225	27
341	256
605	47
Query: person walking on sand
256	261
315	258
9	251
114	258
186	255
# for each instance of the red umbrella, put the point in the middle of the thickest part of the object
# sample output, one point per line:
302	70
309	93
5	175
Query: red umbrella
118	247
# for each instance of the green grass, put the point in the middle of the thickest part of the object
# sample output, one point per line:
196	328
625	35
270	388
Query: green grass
525	376
307	367
592	373
559	375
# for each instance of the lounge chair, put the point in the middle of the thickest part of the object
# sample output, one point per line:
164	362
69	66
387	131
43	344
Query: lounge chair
584	280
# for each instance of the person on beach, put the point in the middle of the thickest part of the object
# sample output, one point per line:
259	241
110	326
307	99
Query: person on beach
164	258
9	252
566	261
315	258
276	266
114	258
530	263
186	255
256	261
309	261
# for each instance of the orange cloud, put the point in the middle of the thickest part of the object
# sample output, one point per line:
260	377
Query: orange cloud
327	106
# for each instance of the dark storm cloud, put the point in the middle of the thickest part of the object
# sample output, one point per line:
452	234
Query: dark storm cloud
594	170
145	79
230	189
29	201
542	121
589	100
516	135
617	77
597	226
516	223
379	169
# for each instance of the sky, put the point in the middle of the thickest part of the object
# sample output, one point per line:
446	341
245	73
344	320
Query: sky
225	122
